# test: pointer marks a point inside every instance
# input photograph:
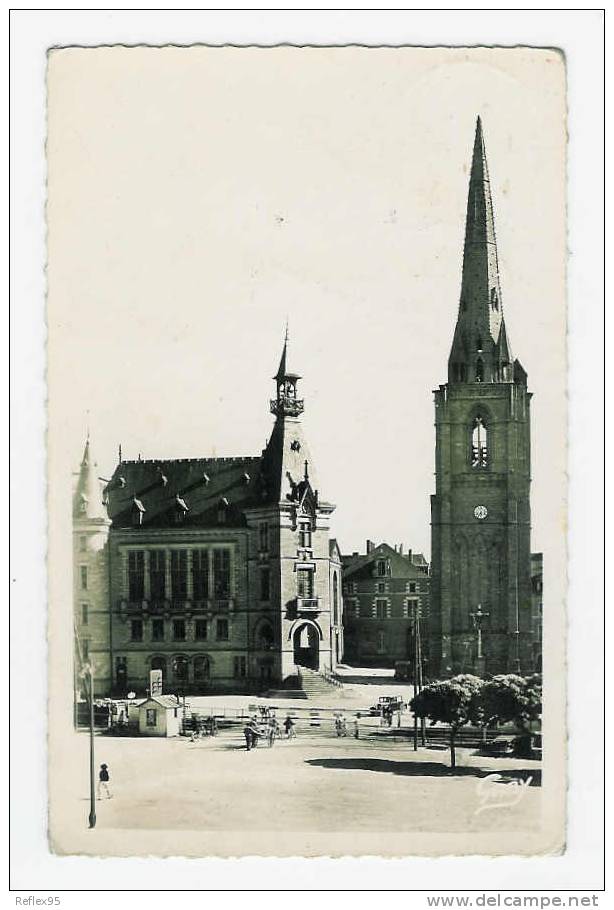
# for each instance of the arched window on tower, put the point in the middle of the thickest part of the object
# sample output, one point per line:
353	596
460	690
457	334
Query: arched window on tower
479	370
479	443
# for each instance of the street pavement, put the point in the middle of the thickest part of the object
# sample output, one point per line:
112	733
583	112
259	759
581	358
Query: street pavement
314	783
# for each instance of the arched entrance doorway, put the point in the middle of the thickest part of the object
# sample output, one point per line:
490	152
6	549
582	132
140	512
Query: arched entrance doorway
306	642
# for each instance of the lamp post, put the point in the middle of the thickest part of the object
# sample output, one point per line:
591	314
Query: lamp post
89	671
418	677
477	617
516	667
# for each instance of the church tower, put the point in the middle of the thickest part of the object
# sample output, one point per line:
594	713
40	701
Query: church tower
480	618
91	575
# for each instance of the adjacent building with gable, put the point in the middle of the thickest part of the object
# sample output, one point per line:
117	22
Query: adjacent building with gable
384	589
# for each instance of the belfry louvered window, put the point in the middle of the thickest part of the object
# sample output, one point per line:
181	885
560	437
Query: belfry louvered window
479	443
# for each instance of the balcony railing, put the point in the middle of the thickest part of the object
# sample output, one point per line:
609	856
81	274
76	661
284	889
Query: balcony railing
218	605
308	604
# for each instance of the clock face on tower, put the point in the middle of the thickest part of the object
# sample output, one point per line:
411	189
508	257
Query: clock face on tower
480	511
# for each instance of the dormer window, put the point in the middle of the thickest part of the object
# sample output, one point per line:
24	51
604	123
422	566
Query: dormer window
181	509
138	510
222	510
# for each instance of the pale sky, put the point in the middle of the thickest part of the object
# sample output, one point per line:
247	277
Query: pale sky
198	197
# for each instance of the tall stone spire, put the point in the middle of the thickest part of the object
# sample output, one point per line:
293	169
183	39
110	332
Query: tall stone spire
87	500
477	354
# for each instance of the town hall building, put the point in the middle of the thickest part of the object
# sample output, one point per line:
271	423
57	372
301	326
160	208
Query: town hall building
220	572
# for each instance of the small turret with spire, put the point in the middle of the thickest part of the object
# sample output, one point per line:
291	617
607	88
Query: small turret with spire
286	404
480	349
87	500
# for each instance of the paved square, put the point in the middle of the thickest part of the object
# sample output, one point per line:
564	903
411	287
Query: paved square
314	783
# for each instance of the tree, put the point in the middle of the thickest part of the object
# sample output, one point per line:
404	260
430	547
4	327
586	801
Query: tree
509	699
449	701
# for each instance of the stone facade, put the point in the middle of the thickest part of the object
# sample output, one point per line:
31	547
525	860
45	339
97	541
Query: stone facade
383	589
480	513
221	572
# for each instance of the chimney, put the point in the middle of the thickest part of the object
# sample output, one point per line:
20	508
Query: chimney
370	546
401	549
409	556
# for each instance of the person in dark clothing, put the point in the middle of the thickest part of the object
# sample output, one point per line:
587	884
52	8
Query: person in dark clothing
103	782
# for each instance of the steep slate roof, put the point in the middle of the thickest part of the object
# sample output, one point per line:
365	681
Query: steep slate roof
401	565
164	487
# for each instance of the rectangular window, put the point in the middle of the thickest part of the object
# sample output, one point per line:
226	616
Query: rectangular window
265	584
381	609
83	576
304	534
240	667
85	647
151	717
200	574
222	630
381	587
200	630
157	574
83	544
264	537
84	614
381	567
412	587
412	606
221	574
179	629
179	574
136	630
304	581
157	629
136	575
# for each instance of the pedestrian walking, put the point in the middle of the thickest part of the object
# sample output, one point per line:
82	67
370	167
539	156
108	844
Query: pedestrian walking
103	782
249	735
289	727
356	730
273	730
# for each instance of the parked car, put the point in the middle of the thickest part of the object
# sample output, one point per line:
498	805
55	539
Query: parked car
501	745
